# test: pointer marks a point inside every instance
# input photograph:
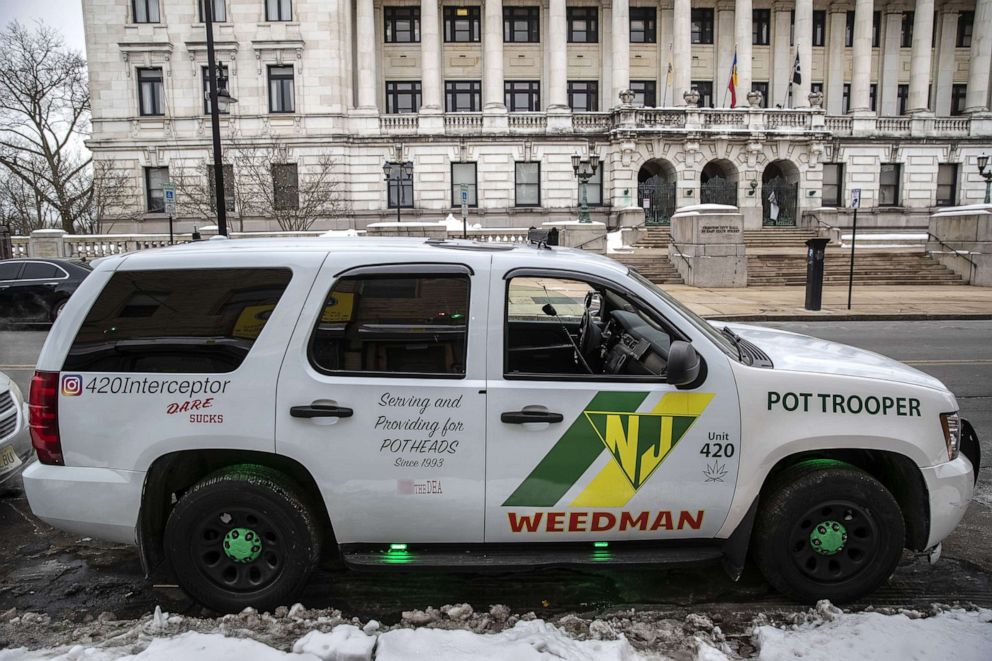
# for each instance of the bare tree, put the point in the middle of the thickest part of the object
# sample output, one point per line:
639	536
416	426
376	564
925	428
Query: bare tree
22	208
114	198
44	109
194	182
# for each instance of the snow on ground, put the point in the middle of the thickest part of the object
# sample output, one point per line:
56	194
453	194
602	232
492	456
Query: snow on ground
452	633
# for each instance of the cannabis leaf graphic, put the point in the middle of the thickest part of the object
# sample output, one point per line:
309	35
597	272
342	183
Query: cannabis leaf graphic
715	472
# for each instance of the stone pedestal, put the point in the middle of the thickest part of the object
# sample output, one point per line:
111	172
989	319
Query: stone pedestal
967	230
630	220
426	230
707	246
573	234
364	121
559	120
46	243
430	122
495	121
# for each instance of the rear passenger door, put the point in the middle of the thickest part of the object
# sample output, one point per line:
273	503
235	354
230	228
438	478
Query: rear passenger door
382	397
8	278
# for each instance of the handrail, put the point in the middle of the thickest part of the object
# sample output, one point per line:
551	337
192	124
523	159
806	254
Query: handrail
957	253
685	259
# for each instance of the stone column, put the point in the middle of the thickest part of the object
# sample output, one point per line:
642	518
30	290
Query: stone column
682	51
977	99
557	56
365	52
890	64
493	56
919	76
946	64
804	46
743	32
835	61
621	48
430	56
781	65
725	43
861	77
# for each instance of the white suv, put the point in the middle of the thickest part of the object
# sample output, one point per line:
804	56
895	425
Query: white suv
243	408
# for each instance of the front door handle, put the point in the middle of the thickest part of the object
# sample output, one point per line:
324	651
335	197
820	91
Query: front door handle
525	416
321	411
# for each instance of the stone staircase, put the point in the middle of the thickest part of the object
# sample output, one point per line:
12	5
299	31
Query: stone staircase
656	236
654	265
870	268
778	237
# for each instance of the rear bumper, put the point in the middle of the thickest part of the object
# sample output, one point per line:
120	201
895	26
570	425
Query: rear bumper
96	502
951	486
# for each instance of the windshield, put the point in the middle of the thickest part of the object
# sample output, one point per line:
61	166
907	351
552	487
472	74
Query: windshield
698	322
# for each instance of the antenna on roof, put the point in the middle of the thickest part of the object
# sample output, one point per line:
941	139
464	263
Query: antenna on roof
543	238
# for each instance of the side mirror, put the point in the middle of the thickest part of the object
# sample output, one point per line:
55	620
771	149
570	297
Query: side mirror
683	363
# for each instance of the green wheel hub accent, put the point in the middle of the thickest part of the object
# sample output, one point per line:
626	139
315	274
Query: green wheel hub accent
242	545
828	537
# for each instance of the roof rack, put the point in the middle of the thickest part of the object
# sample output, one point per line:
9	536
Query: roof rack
463	244
543	238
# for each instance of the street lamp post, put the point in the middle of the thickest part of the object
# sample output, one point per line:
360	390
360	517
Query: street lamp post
220	99
585	169
986	172
398	173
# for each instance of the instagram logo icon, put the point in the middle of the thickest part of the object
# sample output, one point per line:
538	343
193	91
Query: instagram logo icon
72	385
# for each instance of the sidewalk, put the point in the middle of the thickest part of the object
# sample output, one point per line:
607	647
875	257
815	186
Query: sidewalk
878	303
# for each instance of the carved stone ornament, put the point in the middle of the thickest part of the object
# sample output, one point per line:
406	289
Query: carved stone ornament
691	97
754	98
816	99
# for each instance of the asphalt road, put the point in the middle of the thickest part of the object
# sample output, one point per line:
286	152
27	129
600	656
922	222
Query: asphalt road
45	570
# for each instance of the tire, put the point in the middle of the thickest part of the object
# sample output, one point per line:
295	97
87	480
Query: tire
243	537
802	553
57	309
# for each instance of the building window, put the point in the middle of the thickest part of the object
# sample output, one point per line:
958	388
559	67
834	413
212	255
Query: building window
947	184
902	97
705	89
594	188
527	184
889	176
155	180
583	95
285	187
583	25
281	89
206	91
145	11
462	95
464	173
876	21
643	25
758	87
819	27
461	24
702	26
845	106
522	95
402	25
645	93
966	25
399	188
402	96
278	10
521	25
220	11
151	96
959	92
228	186
872	96
761	26
833	184
906	35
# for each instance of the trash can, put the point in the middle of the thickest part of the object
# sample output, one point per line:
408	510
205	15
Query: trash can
815	253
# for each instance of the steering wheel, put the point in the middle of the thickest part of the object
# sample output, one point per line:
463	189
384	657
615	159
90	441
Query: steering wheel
590	335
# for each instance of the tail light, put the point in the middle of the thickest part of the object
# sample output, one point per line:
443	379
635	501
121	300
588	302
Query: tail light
43	417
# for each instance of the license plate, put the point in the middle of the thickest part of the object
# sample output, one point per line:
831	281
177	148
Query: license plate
8	460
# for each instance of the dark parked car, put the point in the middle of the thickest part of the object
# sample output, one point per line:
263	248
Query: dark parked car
36	289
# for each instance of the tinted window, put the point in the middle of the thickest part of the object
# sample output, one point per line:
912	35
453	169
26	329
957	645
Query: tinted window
41	271
190	320
403	324
8	271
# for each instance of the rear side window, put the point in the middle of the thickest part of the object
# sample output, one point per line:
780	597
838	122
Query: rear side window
177	321
413	325
9	270
41	271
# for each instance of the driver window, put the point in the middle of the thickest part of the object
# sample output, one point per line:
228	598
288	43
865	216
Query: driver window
570	327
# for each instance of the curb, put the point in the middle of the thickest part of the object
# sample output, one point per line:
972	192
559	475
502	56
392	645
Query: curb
913	316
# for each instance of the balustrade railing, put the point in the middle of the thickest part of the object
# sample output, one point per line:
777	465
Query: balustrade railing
893	124
527	121
400	123
463	121
791	119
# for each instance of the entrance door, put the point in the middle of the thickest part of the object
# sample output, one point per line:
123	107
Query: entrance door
657	198
778	202
573	455
381	397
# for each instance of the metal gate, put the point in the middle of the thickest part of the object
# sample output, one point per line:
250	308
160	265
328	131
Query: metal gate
717	190
778	202
657	197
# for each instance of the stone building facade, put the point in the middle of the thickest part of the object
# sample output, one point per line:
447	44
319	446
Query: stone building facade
888	97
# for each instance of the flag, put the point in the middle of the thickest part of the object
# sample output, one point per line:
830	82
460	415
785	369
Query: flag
669	78
797	74
732	85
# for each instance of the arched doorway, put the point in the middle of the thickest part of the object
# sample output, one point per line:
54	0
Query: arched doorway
779	194
656	191
718	183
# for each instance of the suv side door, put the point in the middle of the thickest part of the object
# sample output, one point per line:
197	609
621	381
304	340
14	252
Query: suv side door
382	398
574	456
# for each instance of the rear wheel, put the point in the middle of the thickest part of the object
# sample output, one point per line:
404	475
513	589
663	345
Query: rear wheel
57	309
828	533
243	537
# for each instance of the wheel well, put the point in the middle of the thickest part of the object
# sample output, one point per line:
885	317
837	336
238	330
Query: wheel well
172	474
897	473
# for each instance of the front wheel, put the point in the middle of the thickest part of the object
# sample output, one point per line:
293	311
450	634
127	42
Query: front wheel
828	533
242	537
